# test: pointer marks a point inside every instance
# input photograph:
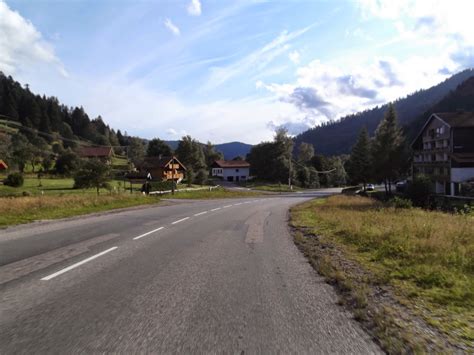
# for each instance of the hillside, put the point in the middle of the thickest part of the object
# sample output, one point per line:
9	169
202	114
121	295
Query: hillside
460	99
338	137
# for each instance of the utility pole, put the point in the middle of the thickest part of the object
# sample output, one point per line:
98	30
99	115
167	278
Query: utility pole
172	176
289	175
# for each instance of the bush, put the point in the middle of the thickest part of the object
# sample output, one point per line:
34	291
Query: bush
399	202
201	177
420	190
162	185
14	180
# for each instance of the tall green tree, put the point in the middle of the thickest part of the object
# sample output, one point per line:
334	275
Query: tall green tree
157	147
211	154
21	151
190	153
135	149
387	149
359	165
93	173
305	152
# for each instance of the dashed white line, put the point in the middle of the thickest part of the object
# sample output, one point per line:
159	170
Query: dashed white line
148	233
180	220
227	206
216	209
49	277
238	204
200	213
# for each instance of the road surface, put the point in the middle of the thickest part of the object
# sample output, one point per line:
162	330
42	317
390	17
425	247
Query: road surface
195	276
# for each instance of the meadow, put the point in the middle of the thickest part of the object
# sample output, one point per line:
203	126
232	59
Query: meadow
427	257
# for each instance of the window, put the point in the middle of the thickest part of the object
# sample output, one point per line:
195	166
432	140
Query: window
236	170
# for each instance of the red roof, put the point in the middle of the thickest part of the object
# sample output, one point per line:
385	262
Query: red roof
3	165
231	164
95	152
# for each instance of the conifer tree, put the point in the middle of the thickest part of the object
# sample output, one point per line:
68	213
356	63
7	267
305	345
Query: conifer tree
360	162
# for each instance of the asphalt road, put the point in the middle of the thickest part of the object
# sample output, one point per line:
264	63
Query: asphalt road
195	276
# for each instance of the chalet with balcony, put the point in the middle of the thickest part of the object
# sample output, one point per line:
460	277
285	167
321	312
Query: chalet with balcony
444	151
162	169
231	170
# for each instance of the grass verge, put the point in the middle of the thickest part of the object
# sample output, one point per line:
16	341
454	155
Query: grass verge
407	274
17	210
215	193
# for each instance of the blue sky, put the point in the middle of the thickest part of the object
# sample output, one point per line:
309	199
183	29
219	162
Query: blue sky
227	70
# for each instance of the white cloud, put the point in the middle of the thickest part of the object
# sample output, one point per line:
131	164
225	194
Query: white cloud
294	57
194	8
22	45
256	61
172	27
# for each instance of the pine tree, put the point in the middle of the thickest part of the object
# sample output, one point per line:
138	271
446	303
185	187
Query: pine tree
386	149
359	165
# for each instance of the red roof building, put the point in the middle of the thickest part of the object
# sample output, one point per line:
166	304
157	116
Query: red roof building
3	165
103	153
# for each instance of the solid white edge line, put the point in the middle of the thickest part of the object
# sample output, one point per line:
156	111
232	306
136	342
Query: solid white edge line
180	220
216	209
200	213
49	277
148	233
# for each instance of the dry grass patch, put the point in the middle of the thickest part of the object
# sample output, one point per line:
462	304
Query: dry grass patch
427	257
17	210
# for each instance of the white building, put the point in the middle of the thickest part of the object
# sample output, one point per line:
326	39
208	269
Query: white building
231	170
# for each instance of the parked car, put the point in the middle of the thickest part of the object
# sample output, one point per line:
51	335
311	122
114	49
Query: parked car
401	186
370	187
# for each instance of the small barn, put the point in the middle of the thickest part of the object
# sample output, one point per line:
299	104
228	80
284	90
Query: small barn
103	153
231	170
163	168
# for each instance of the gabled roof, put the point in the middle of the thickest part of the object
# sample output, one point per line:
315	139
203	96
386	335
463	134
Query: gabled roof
457	119
231	164
159	162
3	165
452	119
96	152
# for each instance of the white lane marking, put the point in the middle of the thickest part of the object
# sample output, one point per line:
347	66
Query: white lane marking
238	204
49	277
148	233
180	220
227	206
200	213
216	209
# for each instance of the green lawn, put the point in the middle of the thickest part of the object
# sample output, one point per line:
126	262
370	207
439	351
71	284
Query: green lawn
262	186
426	257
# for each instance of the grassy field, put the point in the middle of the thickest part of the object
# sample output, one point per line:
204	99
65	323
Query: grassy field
426	257
17	210
215	193
52	186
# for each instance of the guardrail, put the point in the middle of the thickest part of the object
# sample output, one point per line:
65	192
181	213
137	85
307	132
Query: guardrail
210	188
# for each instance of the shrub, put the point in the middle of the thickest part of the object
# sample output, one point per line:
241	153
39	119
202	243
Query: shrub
162	185
399	202
14	180
420	190
201	177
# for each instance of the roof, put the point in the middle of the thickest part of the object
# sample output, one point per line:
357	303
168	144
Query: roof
3	165
457	119
95	152
453	119
231	164
159	162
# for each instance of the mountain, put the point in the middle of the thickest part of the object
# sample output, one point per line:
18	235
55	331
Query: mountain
230	150
338	137
461	99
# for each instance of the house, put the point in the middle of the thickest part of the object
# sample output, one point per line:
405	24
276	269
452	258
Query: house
163	168
103	153
444	151
3	165
231	170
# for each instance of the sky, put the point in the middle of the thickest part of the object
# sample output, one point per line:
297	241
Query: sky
227	70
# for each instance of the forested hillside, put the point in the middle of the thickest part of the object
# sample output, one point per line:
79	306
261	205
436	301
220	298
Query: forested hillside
338	137
46	114
460	99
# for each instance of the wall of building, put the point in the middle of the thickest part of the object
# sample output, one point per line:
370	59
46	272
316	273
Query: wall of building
462	174
231	172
